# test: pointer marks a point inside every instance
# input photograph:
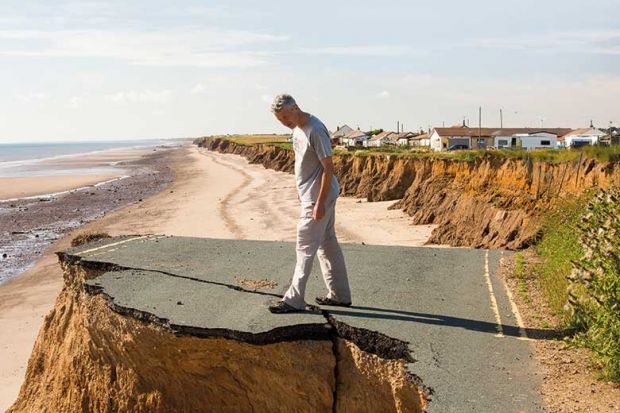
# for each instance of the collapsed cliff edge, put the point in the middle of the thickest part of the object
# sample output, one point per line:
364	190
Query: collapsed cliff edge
132	331
489	202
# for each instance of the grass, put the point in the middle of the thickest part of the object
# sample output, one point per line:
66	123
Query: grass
520	274
558	247
600	153
255	139
579	274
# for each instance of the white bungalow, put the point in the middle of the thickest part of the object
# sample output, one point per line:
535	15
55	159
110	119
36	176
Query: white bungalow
539	140
383	138
355	138
341	132
581	137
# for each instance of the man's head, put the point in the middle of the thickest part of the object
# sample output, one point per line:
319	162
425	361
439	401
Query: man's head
286	111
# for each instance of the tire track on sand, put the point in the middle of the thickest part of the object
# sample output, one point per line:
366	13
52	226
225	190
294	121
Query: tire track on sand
223	207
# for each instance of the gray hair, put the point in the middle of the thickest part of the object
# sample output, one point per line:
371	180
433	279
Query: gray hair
282	101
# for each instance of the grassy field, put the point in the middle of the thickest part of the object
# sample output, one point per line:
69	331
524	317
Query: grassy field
600	153
254	139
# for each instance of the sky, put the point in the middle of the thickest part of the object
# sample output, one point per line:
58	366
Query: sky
80	70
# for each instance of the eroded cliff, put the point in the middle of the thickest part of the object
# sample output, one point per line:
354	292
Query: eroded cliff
491	202
96	352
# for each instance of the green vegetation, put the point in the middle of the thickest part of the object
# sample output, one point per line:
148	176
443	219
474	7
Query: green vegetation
520	274
252	139
374	132
600	153
579	274
594	293
558	248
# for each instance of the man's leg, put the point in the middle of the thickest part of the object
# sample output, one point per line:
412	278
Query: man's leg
332	262
309	236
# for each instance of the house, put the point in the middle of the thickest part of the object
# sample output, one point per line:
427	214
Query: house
383	138
538	140
355	138
581	137
340	132
441	139
405	138
420	140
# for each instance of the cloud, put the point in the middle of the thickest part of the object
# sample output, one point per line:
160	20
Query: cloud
199	88
32	97
584	41
75	102
383	94
146	96
370	50
179	47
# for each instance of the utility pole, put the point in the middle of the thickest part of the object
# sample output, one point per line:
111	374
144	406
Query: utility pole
501	119
397	126
479	123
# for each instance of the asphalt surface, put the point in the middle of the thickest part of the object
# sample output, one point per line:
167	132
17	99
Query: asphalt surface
447	303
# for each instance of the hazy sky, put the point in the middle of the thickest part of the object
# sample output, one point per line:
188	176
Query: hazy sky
140	69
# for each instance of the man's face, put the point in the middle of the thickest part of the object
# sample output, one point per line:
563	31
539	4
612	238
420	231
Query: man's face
286	116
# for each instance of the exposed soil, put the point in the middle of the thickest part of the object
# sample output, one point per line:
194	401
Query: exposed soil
569	376
488	203
93	356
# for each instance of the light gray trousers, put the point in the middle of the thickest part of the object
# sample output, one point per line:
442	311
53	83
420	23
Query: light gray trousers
318	237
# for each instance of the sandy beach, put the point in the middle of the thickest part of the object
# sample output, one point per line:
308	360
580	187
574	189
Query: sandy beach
40	184
212	195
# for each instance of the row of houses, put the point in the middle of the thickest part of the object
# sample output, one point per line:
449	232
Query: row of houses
464	137
348	136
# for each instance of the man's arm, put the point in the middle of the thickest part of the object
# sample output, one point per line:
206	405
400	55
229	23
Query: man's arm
326	184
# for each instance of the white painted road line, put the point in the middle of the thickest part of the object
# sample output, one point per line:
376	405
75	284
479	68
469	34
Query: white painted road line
515	309
487	277
113	244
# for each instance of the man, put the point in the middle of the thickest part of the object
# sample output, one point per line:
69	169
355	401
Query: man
318	190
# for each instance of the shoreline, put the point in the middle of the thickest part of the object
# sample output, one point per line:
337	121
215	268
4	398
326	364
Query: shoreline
30	223
211	195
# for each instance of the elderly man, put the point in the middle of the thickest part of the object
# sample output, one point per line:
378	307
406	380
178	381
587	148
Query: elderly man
318	190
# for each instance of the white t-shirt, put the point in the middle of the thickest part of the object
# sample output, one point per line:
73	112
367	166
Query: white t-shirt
311	143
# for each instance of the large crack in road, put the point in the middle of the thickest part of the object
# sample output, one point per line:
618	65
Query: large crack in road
161	323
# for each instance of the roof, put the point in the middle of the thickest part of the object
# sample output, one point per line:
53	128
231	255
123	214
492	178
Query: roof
342	131
420	137
491	132
355	134
407	135
585	132
384	134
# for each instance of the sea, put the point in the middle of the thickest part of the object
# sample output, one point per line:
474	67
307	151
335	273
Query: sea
31	159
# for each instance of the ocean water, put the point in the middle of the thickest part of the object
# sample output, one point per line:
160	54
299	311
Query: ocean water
28	159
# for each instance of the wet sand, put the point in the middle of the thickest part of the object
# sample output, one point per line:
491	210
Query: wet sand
212	195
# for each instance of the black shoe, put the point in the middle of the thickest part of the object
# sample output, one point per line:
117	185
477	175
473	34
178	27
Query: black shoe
329	301
281	308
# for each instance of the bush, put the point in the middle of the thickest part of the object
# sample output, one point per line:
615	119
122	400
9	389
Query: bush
594	291
86	237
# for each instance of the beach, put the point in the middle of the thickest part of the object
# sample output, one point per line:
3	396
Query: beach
210	195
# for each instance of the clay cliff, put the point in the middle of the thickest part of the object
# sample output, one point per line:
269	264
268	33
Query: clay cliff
95	354
491	202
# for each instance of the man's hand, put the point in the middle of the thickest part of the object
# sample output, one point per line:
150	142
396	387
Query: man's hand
318	212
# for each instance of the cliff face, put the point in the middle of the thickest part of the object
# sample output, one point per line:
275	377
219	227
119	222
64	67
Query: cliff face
492	202
93	355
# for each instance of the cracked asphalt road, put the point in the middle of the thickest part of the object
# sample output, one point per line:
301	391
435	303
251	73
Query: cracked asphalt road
448	303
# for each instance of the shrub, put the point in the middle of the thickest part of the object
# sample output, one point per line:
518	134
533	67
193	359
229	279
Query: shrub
86	237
